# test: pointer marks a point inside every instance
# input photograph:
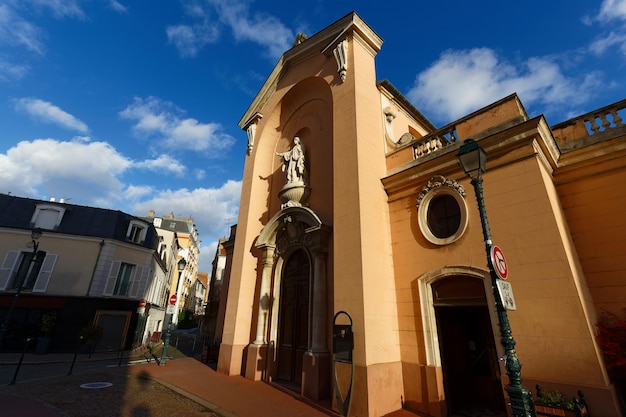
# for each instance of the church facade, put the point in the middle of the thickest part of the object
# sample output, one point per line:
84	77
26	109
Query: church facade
355	215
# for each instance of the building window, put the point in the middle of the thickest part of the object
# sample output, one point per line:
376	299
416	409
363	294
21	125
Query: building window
28	270
442	212
123	279
444	216
136	232
47	216
24	269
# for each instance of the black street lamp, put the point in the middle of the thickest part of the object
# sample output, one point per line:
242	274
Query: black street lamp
473	160
35	234
168	333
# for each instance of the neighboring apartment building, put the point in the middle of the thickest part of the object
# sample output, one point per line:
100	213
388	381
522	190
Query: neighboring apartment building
200	293
218	293
92	266
352	201
185	233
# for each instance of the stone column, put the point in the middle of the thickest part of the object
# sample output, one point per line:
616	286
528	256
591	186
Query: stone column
319	319
316	361
264	296
256	360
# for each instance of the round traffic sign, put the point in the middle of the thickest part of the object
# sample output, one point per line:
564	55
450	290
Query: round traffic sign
142	303
499	262
173	299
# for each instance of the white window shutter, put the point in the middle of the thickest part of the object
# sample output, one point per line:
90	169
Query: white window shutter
147	272
6	270
110	285
45	272
134	281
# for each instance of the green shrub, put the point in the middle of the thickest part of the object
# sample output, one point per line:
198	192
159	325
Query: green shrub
554	399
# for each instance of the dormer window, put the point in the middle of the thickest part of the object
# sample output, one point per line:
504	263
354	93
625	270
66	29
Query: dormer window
136	232
47	216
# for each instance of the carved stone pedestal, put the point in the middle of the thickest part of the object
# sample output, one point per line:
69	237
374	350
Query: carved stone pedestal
294	194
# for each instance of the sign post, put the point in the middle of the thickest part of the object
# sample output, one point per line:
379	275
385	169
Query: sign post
171	309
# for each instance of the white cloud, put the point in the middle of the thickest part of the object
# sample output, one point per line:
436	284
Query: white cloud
15	31
262	29
59	8
190	39
199	173
214	210
612	41
460	82
612	10
163	163
154	117
10	71
47	167
117	6
48	112
135	192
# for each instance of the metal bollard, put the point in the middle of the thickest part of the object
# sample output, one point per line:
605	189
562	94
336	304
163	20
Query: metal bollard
19	365
80	341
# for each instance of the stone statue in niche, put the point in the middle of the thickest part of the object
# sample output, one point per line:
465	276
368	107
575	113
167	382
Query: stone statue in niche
295	192
293	162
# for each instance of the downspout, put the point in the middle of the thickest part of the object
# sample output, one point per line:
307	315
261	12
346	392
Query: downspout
95	267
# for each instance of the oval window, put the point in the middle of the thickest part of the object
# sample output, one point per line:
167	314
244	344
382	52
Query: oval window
442	215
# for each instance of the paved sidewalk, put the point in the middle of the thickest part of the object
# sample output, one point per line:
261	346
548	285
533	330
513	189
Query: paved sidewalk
229	396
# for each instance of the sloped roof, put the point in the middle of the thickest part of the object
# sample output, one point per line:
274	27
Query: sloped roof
17	212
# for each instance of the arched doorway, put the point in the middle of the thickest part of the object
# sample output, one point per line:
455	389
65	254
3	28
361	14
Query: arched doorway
467	346
293	319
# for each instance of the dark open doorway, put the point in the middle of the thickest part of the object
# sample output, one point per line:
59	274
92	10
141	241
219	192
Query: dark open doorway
467	345
293	320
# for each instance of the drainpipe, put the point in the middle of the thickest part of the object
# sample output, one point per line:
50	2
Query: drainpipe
95	267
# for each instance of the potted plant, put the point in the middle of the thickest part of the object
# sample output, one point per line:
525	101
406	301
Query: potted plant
46	325
90	336
611	337
552	403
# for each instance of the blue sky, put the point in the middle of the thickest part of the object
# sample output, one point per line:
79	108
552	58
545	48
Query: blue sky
133	104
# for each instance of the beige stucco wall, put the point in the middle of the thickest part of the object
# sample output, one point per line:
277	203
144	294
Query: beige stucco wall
592	201
553	324
341	130
74	264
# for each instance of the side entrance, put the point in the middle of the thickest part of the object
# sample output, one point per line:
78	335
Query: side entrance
467	346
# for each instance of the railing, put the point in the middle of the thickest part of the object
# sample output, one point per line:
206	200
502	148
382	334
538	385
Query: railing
591	120
599	125
435	141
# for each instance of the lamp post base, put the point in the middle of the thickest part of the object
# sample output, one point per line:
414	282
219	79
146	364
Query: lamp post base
519	396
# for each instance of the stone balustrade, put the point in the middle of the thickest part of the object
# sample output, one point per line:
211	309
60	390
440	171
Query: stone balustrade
599	125
435	141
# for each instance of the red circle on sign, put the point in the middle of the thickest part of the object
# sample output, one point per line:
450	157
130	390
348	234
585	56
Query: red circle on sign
173	299
499	262
142	303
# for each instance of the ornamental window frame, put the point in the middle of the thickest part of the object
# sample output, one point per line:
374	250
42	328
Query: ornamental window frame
437	186
47	216
137	231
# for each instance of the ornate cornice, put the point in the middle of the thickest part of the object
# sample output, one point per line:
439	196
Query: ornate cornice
439	181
